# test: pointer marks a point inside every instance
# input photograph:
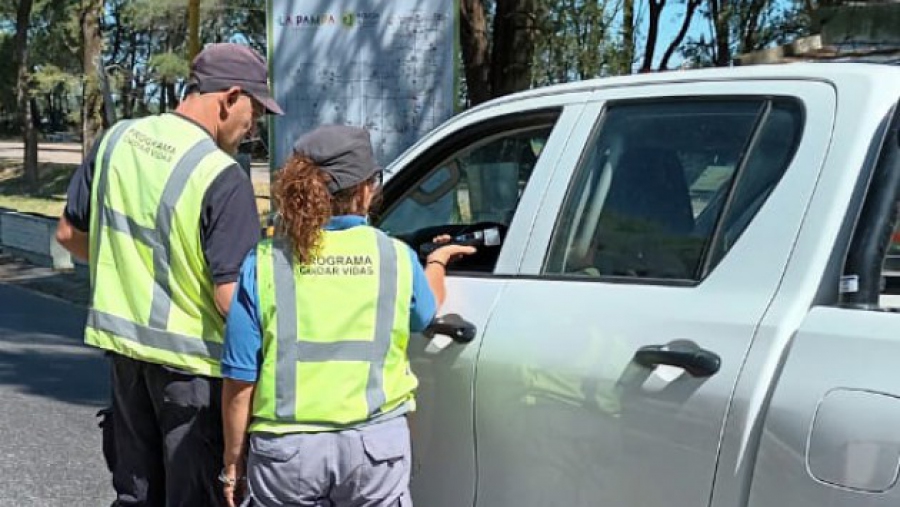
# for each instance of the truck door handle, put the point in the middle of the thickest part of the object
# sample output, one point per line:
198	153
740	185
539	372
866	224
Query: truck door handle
452	325
685	354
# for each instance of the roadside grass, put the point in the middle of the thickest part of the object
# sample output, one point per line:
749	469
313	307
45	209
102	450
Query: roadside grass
48	197
263	201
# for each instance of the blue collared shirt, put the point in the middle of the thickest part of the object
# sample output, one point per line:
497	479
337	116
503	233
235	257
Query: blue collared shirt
243	331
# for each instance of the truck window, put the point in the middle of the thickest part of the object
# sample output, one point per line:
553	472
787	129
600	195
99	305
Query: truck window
471	182
666	188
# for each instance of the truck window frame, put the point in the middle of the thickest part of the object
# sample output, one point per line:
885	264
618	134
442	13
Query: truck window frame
709	258
873	223
404	184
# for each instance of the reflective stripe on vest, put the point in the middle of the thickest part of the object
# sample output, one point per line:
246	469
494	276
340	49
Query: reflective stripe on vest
156	338
158	240
113	140
291	351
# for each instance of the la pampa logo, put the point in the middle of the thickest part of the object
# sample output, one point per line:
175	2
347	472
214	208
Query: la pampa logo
346	19
360	19
306	20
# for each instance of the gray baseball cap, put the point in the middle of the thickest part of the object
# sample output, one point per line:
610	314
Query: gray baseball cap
344	152
220	66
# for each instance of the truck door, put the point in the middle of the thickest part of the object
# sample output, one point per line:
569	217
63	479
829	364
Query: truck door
484	169
608	364
830	434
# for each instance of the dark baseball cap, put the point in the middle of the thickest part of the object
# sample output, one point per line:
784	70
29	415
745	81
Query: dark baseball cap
344	152
220	66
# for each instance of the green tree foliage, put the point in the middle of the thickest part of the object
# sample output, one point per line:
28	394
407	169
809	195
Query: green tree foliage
507	45
143	55
25	106
743	26
578	39
7	84
147	46
168	67
54	64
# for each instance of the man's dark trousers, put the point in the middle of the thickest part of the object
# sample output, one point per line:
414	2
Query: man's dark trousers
167	434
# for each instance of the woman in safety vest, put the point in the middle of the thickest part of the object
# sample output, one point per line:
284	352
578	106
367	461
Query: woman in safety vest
315	361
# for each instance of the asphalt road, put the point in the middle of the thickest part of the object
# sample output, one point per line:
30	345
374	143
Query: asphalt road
54	153
50	388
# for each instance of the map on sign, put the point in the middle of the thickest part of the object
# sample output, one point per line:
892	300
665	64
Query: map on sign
385	66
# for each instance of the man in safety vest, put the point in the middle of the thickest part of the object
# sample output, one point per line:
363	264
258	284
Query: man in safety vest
164	216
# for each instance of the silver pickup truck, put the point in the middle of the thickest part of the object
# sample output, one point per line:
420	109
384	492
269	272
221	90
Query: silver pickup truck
687	306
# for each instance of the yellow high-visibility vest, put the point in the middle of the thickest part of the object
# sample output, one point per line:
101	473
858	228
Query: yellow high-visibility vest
335	333
152	293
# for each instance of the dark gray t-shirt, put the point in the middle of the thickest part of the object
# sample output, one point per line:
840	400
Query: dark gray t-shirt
229	220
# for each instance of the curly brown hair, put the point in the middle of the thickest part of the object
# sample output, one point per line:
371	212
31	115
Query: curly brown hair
301	195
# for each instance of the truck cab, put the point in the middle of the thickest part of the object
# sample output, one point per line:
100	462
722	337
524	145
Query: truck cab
689	305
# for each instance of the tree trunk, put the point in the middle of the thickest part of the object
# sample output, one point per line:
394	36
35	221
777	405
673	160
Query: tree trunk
51	111
128	80
721	11
23	97
128	94
627	36
118	33
141	101
512	55
656	8
193	29
92	105
173	96
163	101
682	32
475	51
580	34
163	96
750	27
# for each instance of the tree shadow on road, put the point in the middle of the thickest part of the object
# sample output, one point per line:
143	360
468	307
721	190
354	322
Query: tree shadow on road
67	373
41	352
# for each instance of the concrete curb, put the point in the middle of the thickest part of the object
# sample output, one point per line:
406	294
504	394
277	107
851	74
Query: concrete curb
33	237
31	258
65	286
